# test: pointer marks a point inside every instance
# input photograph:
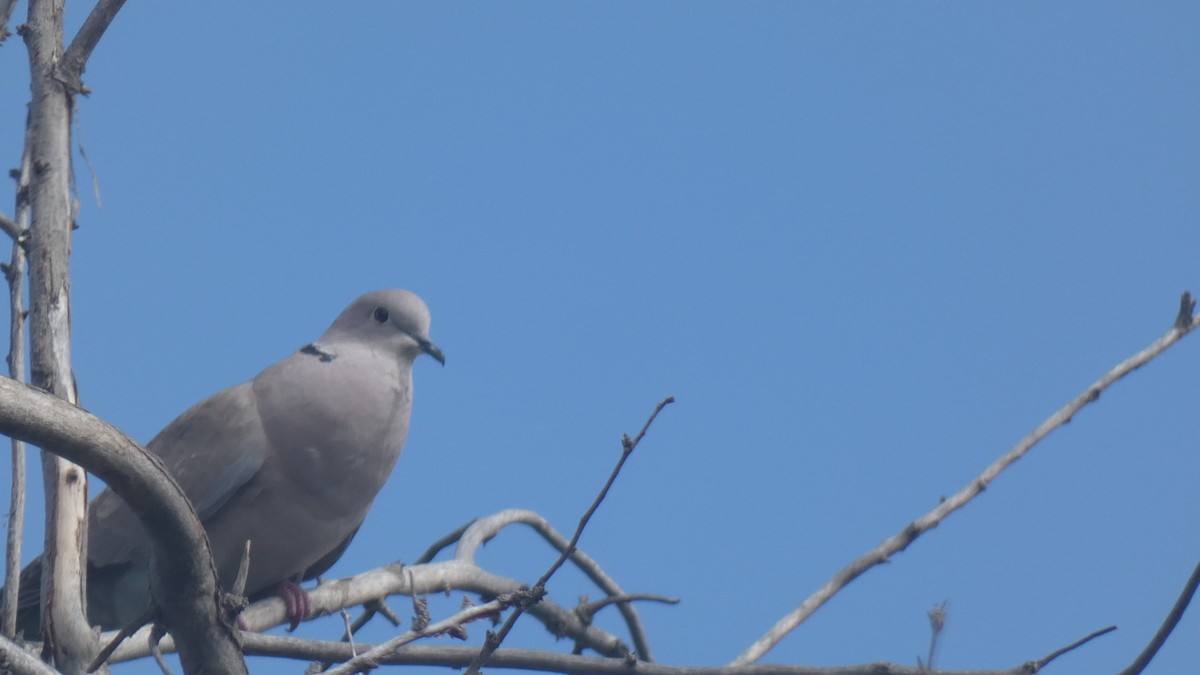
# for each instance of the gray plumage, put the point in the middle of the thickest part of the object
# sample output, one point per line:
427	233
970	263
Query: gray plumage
291	460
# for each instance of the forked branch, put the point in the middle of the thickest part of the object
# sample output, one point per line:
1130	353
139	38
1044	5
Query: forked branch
538	591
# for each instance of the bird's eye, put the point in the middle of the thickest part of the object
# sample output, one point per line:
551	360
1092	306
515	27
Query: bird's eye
380	315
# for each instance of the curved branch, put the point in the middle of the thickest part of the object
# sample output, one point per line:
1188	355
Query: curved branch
1164	631
331	597
186	593
494	640
1184	323
480	531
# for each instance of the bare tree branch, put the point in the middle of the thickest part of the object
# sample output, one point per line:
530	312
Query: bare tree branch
10	227
1185	598
69	638
186	592
331	596
437	546
901	540
480	531
372	657
14	274
1037	666
64	618
6	10
530	660
70	69
15	660
538	591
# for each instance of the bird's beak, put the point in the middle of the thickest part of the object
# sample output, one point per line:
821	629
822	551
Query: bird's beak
432	350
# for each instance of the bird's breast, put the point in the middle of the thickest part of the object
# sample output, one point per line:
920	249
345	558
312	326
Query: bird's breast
346	420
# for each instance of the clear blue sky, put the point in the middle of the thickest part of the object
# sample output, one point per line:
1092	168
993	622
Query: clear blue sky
867	245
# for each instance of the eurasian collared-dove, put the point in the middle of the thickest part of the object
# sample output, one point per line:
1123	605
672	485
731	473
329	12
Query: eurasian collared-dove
291	460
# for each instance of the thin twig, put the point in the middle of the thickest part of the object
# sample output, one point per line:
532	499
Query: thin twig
239	582
901	540
14	274
539	589
1037	666
370	609
526	660
161	661
437	546
485	528
1189	590
371	658
127	630
589	609
937	623
349	632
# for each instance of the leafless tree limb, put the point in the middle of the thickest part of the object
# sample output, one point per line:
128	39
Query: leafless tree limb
1036	666
538	591
14	659
372	657
6	10
1185	598
480	531
437	546
14	274
331	596
589	609
1184	323
10	227
69	638
523	659
70	69
187	593
370	609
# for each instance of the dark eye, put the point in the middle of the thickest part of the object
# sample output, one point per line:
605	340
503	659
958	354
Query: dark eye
380	315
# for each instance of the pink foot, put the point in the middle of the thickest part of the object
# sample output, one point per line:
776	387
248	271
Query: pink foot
296	600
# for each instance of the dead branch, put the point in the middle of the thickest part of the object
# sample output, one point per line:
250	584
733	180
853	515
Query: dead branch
480	531
1036	666
69	638
69	70
331	596
10	227
14	659
6	10
371	658
530	660
186	593
14	274
1184	323
1185	598
493	640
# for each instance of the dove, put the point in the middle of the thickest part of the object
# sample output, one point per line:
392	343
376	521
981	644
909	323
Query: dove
291	461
